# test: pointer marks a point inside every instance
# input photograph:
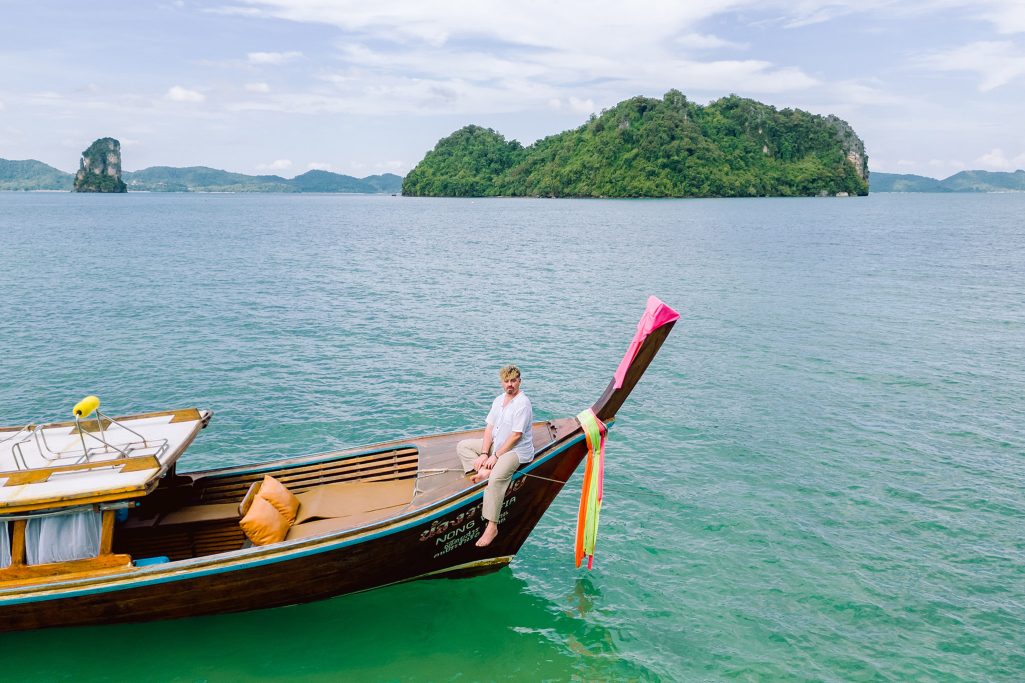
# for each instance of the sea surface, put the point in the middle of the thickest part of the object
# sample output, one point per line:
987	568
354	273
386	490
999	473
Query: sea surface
820	478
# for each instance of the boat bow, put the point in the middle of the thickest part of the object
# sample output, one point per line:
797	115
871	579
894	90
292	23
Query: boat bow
652	329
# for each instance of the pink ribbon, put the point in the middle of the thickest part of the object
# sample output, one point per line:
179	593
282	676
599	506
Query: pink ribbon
656	314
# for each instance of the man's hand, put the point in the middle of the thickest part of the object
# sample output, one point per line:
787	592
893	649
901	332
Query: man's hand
479	462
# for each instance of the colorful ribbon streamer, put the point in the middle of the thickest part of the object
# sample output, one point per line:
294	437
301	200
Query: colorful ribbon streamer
656	314
594	478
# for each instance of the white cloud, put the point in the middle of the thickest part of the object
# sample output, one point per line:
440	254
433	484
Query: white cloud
179	94
273	58
488	56
582	106
996	63
1	105
855	93
1007	16
944	168
573	104
701	41
276	165
319	166
997	160
257	87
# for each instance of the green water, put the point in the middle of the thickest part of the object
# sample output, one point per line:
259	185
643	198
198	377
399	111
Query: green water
820	477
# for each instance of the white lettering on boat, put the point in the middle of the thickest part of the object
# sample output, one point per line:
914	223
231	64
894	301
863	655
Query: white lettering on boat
441	527
462	529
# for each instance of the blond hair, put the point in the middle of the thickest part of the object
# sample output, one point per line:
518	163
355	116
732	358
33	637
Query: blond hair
509	372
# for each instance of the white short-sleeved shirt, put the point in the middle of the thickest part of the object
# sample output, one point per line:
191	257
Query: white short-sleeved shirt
518	416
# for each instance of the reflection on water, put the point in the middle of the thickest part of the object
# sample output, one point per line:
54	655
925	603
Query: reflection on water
583	596
487	628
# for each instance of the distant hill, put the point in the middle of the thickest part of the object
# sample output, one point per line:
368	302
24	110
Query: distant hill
35	175
388	183
645	147
965	181
903	182
202	179
986	181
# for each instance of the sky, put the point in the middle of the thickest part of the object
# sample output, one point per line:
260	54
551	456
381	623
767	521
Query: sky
285	86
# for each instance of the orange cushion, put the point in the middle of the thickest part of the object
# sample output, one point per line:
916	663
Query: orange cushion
263	523
275	493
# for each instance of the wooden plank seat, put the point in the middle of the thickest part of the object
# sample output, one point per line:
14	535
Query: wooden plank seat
195	514
345	499
327	525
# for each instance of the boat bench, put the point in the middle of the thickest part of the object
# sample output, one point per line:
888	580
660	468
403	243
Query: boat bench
323	508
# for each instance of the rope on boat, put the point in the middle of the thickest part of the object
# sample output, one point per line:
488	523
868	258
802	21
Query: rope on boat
443	470
538	476
433	472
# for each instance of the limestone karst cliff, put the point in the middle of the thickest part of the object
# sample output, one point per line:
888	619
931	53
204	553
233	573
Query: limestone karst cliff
100	168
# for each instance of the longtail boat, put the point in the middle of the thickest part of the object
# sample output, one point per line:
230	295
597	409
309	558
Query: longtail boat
97	526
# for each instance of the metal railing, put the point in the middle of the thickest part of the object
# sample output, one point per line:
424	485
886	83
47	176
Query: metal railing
37	436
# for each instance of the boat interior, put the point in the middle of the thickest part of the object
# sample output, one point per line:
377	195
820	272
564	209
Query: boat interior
198	514
110	485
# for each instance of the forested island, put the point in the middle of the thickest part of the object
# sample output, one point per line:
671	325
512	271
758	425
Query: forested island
645	147
100	168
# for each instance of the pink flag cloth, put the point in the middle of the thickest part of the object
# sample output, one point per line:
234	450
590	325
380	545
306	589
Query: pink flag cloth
656	314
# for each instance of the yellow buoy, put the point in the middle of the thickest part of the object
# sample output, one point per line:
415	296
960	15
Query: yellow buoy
86	406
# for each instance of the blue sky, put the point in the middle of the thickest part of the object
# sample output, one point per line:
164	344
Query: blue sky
283	86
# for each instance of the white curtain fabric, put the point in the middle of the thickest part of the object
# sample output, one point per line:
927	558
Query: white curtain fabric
5	546
62	538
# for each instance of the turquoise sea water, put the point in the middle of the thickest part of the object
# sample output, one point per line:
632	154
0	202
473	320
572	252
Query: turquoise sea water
820	478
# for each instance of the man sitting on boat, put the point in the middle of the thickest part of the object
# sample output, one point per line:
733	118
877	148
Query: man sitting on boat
509	431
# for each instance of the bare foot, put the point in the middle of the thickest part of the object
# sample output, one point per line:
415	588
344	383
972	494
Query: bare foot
480	476
488	536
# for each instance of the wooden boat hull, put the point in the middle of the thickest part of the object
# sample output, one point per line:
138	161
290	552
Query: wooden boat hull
436	544
434	537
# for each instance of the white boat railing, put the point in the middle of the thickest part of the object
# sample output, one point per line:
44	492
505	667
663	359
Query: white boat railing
36	435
